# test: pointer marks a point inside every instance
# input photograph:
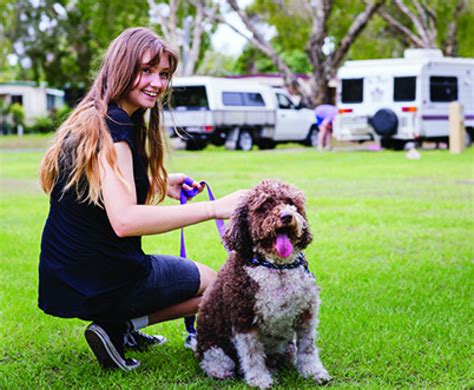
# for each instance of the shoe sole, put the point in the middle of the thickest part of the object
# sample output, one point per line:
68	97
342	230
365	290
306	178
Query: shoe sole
103	349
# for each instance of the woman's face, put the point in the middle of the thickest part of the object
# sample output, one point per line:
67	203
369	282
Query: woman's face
150	84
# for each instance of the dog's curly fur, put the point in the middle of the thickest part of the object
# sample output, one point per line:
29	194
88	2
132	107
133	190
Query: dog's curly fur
254	317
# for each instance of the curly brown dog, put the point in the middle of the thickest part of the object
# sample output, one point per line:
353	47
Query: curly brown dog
262	309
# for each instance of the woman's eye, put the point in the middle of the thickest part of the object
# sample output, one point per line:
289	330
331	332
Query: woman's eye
146	70
164	75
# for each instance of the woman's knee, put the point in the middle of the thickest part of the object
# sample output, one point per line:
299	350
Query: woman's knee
207	276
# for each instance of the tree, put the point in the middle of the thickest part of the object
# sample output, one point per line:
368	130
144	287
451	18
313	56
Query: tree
61	42
6	21
325	52
426	24
18	115
186	26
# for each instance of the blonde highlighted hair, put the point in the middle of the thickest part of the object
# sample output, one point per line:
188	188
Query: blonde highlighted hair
84	136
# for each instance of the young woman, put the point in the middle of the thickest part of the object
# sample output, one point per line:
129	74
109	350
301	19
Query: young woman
105	176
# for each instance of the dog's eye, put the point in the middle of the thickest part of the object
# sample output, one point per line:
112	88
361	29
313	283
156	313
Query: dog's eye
264	207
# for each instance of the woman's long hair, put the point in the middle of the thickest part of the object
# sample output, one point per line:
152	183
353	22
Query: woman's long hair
84	136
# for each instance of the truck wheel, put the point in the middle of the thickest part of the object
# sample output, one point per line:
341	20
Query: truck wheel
384	122
266	144
312	138
195	145
245	141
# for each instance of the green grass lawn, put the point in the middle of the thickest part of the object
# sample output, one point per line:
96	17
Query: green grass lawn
393	253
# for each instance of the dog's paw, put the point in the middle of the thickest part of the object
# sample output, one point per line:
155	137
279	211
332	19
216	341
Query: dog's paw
317	373
321	376
260	380
217	364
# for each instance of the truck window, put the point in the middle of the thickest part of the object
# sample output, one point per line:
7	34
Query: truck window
443	89
404	89
232	99
189	98
253	99
352	90
284	102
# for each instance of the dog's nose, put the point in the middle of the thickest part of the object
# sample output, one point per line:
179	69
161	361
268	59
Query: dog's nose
286	217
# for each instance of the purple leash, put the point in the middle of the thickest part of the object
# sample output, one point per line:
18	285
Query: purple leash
184	197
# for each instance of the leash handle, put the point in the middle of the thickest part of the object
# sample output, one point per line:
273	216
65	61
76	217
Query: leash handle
186	195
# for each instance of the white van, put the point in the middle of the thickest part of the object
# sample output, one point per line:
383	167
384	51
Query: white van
406	99
237	113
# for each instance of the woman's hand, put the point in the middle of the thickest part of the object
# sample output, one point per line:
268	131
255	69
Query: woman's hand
224	207
176	183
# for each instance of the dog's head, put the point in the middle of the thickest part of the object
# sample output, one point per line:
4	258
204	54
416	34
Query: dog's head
271	222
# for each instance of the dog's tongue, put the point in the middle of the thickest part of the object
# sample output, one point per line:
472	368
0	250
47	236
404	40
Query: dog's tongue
283	245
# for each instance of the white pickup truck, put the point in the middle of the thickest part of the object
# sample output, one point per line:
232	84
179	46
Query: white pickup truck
238	114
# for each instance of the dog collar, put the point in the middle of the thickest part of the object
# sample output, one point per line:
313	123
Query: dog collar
300	260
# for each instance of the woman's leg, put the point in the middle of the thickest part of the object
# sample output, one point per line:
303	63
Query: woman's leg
189	307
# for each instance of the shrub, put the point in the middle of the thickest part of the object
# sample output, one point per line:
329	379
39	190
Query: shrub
18	114
42	124
61	115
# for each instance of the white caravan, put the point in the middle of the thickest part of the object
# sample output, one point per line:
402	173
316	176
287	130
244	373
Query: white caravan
237	113
405	99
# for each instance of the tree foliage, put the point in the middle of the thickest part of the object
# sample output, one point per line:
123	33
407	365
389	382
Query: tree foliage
431	23
61	41
323	29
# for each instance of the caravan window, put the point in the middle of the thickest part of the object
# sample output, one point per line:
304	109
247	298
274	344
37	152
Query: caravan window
352	90
189	98
443	89
404	89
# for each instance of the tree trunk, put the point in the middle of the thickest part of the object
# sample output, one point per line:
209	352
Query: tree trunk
450	45
185	36
324	68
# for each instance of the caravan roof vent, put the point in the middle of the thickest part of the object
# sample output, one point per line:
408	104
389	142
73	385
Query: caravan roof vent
413	54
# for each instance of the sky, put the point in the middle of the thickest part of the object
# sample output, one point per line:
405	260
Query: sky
227	41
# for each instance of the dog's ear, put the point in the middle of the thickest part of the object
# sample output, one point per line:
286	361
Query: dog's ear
300	202
306	237
237	235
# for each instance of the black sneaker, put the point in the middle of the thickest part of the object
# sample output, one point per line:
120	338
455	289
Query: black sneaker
105	342
138	341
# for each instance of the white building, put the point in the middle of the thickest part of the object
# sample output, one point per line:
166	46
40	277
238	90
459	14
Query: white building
37	101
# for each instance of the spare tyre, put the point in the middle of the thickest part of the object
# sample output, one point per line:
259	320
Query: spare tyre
384	122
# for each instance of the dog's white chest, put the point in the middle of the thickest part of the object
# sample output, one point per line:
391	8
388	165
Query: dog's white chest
282	296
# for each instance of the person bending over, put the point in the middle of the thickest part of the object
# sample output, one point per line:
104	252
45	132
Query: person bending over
105	177
325	114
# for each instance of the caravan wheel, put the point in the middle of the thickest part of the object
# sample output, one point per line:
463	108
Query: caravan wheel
385	122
